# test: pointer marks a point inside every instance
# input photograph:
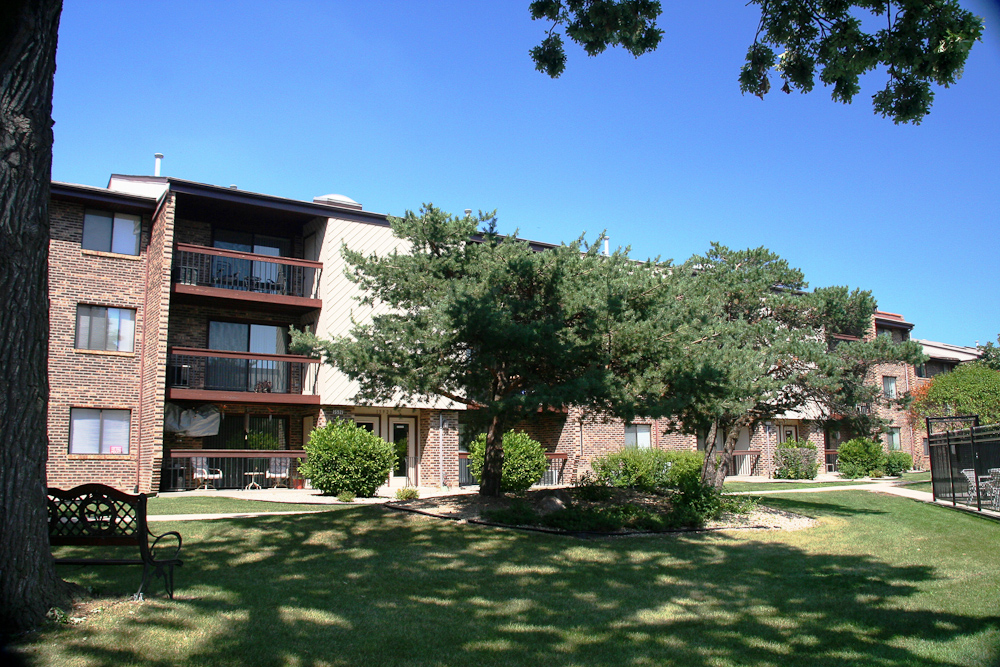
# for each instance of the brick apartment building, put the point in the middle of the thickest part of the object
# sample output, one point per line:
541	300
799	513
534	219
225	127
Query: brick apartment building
168	360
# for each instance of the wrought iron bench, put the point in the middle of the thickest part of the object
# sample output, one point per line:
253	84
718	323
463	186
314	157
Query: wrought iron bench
98	515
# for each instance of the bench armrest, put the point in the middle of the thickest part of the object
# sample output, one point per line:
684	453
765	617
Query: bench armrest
156	541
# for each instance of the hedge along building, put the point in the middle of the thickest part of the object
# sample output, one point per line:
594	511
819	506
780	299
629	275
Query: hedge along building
170	305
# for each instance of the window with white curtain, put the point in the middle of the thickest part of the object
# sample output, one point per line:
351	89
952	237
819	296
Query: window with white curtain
100	328
111	232
96	431
637	435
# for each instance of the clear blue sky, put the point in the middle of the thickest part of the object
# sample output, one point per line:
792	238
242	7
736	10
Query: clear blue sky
399	103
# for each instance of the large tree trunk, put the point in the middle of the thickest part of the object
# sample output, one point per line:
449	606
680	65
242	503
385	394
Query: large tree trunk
489	483
718	462
28	583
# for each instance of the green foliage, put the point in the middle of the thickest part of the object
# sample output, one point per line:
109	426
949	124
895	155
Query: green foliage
497	325
919	44
346	497
990	354
896	463
861	457
595	25
795	459
970	389
524	461
262	440
647	470
343	457
407	493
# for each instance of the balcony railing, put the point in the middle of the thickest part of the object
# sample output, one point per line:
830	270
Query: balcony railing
554	475
746	462
196	370
200	266
232	469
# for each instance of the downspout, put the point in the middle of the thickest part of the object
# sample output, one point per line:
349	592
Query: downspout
441	447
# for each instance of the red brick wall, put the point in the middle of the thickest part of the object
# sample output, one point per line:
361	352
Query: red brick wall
87	378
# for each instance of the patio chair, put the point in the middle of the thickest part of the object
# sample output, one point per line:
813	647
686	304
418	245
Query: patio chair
277	469
204	475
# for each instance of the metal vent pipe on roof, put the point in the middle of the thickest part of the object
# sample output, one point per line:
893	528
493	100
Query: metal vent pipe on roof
156	164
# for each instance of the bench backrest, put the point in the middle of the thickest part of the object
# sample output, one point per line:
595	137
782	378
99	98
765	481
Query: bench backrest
97	514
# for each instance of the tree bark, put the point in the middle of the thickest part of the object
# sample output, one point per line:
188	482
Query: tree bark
492	474
718	462
29	586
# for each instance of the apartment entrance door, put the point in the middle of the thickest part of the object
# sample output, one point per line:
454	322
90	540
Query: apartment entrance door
403	436
788	432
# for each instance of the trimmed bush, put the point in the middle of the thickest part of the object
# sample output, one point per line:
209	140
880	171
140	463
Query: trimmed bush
861	457
647	470
407	493
343	457
795	459
524	461
896	463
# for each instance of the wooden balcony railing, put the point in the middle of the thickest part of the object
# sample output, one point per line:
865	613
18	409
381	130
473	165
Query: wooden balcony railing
214	268
262	378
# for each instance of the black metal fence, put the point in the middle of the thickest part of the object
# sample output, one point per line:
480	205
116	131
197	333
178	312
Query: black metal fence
965	465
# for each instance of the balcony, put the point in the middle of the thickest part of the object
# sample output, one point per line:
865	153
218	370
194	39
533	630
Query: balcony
279	283
241	377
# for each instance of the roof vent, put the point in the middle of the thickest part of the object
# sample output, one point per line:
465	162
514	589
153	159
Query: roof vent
337	200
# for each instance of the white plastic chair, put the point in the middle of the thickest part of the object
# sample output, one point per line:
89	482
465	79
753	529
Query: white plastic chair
204	475
278	469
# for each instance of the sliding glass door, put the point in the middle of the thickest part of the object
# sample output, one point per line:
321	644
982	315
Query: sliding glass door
257	375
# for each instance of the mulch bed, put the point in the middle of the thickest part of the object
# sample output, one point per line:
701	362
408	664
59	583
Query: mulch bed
470	508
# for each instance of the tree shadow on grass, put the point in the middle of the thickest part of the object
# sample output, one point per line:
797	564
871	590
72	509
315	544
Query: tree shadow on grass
366	586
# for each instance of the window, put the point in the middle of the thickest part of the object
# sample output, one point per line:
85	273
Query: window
893	438
111	232
637	435
100	328
93	431
889	387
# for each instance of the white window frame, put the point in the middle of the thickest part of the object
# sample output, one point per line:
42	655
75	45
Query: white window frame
889	387
105	231
106	442
123	337
893	438
634	436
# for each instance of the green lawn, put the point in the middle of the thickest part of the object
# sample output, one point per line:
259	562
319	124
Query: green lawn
881	581
222	505
778	486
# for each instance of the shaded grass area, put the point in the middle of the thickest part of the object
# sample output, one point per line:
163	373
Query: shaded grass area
881	581
778	486
222	505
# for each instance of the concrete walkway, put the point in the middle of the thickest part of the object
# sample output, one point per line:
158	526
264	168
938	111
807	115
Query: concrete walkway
314	497
297	496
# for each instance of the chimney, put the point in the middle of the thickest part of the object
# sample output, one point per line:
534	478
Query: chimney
156	167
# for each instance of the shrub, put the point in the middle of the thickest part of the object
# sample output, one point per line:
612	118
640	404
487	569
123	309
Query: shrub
524	461
342	456
648	470
346	497
896	463
795	459
860	457
407	493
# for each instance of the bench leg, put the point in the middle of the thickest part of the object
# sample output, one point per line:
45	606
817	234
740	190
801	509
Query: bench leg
145	580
